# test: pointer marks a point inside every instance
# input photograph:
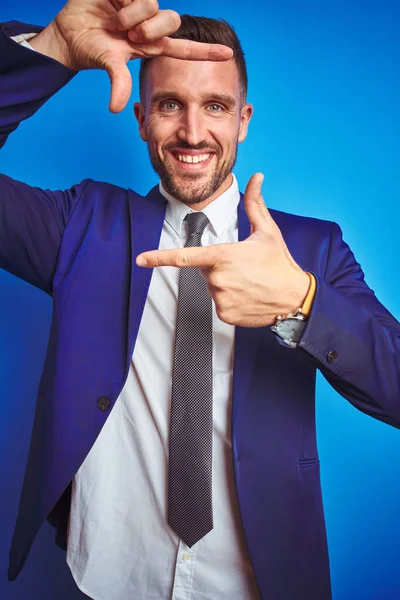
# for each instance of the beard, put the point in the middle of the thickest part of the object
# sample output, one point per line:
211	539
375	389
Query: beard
192	188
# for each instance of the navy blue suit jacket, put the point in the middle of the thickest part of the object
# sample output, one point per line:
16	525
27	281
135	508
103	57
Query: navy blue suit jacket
79	246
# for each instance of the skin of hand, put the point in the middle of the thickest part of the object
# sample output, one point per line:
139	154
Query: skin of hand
251	282
106	34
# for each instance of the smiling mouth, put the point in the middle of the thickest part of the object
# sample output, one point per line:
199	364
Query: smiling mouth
192	161
188	158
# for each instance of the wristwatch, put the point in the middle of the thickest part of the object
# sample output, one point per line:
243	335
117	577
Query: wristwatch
289	329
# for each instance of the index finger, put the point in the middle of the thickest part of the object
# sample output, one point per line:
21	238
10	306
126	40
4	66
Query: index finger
189	50
199	256
184	50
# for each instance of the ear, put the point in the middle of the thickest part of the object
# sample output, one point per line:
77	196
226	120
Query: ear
140	115
245	115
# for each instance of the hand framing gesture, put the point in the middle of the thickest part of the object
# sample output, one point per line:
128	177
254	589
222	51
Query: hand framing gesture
106	34
251	282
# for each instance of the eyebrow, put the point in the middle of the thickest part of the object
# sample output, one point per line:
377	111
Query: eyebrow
226	99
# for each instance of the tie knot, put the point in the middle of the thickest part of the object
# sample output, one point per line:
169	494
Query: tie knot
197	222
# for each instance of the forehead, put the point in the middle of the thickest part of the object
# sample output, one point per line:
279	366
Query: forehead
191	78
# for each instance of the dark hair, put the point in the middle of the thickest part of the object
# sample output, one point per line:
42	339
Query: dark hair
209	31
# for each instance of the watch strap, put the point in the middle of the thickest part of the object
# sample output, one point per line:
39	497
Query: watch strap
309	299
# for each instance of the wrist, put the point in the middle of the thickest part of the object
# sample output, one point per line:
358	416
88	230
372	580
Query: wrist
51	43
295	296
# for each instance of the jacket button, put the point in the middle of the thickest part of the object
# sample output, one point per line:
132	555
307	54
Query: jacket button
103	403
332	356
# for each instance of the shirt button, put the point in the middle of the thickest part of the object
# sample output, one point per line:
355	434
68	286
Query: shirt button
103	403
332	356
185	556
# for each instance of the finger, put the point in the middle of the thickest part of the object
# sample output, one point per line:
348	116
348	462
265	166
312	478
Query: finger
164	23
121	84
132	14
184	49
118	3
179	257
254	204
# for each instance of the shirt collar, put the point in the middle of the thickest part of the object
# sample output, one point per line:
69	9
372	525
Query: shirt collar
220	211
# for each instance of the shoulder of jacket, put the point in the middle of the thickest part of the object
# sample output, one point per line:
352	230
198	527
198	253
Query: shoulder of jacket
291	220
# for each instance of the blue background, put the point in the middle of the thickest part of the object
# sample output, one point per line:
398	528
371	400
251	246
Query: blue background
325	87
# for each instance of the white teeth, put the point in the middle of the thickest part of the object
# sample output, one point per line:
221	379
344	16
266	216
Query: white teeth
188	158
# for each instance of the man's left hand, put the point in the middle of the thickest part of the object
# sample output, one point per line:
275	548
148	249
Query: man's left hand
251	282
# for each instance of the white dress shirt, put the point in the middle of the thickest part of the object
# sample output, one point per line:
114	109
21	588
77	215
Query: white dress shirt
120	546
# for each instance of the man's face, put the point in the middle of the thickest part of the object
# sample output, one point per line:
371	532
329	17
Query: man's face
192	118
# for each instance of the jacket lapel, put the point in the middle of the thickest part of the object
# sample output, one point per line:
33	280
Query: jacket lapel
147	216
246	339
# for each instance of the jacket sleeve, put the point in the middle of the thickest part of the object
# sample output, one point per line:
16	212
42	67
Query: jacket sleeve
354	340
32	220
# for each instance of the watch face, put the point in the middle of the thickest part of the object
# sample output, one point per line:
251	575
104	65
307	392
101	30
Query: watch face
290	329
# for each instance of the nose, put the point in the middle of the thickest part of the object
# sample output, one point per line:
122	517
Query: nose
192	128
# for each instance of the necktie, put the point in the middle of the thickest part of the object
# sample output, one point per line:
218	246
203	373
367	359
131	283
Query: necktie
191	422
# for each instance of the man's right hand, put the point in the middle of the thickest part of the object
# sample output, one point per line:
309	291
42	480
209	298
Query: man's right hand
100	34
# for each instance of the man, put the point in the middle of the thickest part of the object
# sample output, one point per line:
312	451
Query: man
134	340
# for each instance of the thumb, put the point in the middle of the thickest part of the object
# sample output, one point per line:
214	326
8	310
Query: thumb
254	204
121	83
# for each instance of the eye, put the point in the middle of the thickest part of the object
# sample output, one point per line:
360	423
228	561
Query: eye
169	105
215	107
